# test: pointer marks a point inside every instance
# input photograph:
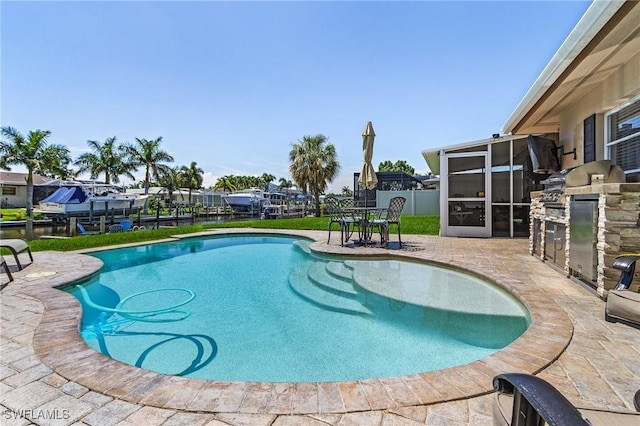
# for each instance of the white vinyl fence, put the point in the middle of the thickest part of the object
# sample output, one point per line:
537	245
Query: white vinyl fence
426	202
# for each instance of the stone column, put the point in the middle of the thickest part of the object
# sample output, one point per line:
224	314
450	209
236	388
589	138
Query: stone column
618	231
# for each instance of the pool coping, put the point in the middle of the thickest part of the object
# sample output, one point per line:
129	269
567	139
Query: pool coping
57	342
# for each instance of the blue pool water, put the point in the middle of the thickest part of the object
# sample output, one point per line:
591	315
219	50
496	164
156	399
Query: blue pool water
266	309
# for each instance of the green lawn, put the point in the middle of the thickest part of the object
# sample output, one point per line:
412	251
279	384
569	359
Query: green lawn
17	214
419	225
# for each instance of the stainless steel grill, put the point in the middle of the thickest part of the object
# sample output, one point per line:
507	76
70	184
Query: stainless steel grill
555	185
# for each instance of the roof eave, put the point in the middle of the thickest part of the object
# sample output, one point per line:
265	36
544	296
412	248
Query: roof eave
595	18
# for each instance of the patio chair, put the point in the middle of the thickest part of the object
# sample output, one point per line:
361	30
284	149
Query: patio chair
623	305
350	220
389	216
83	231
6	268
526	400
16	247
116	227
335	215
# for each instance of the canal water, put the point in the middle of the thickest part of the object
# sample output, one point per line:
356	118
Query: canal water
48	229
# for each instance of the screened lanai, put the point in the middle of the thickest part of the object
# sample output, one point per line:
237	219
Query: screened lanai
485	186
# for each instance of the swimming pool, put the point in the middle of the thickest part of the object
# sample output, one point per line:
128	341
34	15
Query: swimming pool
266	309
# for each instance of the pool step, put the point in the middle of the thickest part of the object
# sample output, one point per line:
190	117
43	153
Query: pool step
340	270
303	245
320	275
301	285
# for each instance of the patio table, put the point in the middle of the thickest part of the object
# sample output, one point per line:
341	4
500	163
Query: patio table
461	216
365	214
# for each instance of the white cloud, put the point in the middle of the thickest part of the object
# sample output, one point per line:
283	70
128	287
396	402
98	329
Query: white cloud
209	179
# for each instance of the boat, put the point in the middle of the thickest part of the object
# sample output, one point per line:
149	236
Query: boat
247	201
276	207
277	198
272	212
79	198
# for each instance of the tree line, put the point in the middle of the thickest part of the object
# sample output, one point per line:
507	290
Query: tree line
313	164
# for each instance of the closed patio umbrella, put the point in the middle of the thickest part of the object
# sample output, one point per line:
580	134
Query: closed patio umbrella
368	178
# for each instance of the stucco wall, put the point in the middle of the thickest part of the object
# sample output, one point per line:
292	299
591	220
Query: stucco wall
18	200
616	89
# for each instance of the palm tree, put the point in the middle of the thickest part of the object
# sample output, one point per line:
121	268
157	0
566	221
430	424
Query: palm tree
346	191
147	153
55	163
106	158
267	179
31	151
284	183
313	164
169	181
242	182
225	184
191	177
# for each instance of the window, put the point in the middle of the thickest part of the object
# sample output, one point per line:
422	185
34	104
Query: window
623	136
9	190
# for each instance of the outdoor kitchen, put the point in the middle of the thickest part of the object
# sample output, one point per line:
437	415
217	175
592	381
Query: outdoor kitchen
583	219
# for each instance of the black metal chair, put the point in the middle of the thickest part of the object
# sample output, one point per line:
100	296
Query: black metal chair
350	220
6	268
526	400
389	216
623	305
335	215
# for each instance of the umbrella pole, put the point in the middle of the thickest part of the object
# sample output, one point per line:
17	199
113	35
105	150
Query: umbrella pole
365	196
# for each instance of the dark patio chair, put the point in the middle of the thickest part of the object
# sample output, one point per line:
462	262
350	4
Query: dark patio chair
526	400
389	216
6	268
335	215
623	305
16	247
350	220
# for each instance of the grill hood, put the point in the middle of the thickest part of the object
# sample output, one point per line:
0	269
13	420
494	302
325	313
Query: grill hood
579	176
582	175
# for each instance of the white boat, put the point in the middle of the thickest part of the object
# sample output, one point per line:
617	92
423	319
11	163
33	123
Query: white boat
272	211
76	198
276	207
277	198
250	201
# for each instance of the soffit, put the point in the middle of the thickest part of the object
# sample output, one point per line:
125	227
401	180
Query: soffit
616	43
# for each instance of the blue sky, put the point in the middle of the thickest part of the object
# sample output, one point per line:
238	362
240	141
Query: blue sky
232	85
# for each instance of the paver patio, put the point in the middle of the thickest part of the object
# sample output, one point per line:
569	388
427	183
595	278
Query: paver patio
49	376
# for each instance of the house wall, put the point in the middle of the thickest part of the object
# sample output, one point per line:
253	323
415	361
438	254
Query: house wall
19	200
617	88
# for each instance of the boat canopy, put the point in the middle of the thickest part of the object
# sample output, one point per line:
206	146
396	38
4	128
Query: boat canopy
67	195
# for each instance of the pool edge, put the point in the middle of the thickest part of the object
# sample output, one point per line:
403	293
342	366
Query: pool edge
59	345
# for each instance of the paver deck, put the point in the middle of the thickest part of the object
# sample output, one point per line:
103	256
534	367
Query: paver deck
48	375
